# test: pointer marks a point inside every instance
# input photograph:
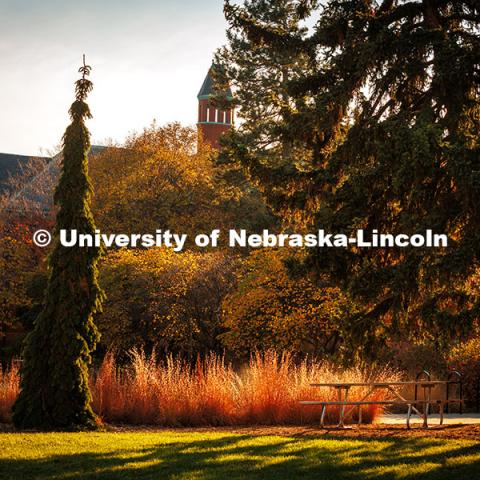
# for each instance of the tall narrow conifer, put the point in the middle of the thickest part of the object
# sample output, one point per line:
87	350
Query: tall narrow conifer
54	386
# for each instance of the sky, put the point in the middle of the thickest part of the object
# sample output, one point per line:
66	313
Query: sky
148	58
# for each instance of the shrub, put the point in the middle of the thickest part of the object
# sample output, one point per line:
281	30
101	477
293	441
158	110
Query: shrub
465	358
413	358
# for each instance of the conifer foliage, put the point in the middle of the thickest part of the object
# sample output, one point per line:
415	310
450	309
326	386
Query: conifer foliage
263	72
385	124
54	387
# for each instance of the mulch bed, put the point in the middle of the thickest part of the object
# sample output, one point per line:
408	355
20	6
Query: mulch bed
376	431
471	432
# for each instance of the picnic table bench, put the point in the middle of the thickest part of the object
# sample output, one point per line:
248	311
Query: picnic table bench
344	388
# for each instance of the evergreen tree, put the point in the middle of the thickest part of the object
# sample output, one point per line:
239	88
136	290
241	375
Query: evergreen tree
261	75
390	121
54	375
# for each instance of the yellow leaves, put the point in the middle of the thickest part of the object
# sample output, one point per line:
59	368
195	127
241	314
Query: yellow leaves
269	309
167	299
157	180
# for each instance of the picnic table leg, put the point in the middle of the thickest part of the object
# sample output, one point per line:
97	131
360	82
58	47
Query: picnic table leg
441	412
403	399
426	405
342	408
409	414
322	416
339	399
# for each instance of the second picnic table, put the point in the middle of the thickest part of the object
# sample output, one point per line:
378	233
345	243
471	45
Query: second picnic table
393	387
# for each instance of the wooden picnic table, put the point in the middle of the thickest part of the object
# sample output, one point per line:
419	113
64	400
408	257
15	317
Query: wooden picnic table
380	384
343	389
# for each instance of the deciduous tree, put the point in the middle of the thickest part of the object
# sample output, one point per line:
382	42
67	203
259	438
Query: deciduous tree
271	310
160	299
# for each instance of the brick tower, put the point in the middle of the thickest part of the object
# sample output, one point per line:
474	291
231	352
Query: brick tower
212	121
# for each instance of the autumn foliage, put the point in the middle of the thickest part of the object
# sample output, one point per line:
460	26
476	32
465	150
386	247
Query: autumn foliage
167	178
9	389
271	309
20	260
174	392
157	298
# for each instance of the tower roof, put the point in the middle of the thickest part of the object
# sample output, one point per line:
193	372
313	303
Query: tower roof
207	87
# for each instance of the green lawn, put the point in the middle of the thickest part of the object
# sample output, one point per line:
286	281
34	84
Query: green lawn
228	456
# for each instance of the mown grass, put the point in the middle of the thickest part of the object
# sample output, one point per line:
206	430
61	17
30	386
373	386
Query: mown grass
198	455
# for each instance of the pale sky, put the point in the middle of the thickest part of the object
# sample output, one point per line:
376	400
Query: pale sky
149	58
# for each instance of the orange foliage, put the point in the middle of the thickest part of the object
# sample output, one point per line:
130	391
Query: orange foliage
266	391
9	388
20	260
172	392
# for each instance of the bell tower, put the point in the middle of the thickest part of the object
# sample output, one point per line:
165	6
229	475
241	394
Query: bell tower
212	121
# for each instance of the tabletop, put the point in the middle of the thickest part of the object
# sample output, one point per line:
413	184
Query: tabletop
422	383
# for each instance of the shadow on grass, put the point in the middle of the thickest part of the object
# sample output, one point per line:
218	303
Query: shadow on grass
233	457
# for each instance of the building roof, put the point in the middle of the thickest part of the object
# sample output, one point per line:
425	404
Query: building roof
39	189
207	88
11	165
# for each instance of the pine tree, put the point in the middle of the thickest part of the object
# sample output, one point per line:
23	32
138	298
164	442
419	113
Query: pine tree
390	121
261	76
54	375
